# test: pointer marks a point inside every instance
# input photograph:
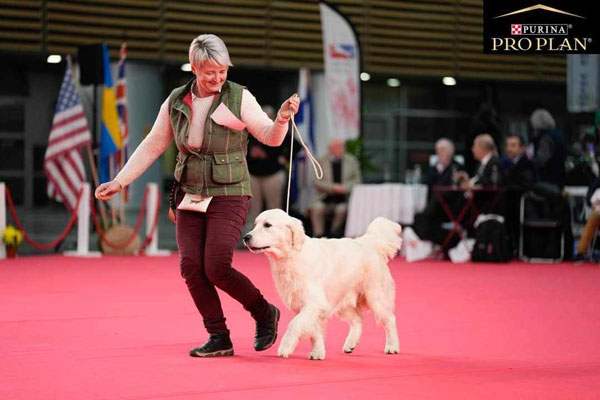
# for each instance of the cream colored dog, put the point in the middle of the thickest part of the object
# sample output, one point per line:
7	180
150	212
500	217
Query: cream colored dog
317	278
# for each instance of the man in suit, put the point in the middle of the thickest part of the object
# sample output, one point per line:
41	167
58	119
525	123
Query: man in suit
521	174
490	172
341	171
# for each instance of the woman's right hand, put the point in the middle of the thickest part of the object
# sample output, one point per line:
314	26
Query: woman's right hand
289	107
107	189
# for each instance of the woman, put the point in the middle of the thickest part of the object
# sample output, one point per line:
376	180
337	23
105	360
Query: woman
211	165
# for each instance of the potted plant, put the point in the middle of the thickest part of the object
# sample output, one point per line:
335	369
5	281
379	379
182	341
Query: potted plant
12	238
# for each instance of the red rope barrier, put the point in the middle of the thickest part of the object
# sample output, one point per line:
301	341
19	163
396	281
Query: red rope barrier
138	225
71	223
153	230
32	242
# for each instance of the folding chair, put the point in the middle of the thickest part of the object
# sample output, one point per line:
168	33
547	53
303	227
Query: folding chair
542	236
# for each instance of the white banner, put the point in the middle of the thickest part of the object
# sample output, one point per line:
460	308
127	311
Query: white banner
342	68
583	83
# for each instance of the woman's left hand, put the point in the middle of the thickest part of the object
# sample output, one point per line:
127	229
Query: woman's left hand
288	107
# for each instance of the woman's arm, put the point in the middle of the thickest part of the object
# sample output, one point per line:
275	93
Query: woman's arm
260	125
153	145
144	155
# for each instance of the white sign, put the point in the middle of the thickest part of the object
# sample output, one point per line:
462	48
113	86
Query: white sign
342	67
583	83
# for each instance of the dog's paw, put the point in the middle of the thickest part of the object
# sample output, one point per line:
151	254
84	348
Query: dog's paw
316	355
284	352
391	349
348	349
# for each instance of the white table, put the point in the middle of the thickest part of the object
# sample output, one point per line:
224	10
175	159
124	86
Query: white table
395	201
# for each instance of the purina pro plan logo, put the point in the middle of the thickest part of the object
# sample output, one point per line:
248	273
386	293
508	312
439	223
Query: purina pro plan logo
554	27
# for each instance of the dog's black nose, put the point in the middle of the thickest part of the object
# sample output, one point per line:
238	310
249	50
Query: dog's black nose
247	237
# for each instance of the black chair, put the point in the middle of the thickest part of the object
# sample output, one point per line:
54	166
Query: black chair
542	231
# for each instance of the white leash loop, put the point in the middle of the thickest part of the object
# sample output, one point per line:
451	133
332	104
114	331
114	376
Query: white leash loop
313	160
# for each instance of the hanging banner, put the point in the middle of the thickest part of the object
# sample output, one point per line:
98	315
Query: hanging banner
583	83
342	68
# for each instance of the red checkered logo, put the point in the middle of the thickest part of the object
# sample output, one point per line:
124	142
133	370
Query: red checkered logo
516	29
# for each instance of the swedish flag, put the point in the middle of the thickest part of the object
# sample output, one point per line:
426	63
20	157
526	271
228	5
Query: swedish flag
110	140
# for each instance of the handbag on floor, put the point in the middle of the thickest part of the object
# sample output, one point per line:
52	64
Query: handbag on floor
491	239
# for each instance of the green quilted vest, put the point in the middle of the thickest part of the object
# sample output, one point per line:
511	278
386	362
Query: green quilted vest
219	167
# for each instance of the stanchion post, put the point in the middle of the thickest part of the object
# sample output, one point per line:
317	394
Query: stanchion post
151	208
2	218
83	227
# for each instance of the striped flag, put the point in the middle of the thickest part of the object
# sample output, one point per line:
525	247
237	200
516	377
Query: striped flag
302	182
121	97
63	163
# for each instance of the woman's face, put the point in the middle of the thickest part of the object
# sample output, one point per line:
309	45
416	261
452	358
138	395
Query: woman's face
209	78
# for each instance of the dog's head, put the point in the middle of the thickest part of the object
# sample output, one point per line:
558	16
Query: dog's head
275	233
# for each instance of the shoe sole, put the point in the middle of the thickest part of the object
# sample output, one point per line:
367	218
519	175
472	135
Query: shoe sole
276	329
218	353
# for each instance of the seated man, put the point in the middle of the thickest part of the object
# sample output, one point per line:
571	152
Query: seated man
490	172
341	171
443	172
521	174
427	224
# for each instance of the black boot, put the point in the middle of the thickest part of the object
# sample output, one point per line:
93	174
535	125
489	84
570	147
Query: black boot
266	330
218	345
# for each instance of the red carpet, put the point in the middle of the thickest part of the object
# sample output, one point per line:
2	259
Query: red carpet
120	328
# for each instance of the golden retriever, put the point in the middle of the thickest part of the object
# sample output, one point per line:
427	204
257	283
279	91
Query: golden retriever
317	278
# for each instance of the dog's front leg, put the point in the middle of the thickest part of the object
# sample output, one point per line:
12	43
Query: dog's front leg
302	324
318	341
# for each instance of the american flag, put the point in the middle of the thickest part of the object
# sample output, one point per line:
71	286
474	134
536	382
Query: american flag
121	97
63	163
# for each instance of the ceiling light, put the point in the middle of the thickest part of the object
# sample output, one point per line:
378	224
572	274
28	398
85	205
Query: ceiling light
54	59
449	81
187	67
393	82
365	76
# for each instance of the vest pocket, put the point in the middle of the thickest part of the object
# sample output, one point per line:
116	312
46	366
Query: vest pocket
228	168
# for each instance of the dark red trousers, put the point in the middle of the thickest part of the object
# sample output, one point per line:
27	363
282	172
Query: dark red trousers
206	244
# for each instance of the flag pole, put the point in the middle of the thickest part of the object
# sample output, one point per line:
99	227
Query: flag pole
113	209
96	181
121	199
123	124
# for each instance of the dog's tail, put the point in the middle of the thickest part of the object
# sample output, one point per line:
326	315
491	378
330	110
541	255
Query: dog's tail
385	237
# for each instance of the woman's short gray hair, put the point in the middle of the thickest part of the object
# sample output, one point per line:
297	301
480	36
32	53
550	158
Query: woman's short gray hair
541	119
209	47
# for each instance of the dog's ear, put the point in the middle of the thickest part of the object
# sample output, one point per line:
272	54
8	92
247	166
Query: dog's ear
297	233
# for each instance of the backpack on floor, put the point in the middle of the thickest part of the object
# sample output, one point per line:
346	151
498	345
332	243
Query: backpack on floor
491	239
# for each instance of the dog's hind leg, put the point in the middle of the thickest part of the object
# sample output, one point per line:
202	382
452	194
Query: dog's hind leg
353	316
392	344
386	317
380	299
